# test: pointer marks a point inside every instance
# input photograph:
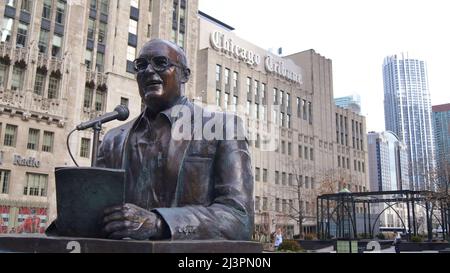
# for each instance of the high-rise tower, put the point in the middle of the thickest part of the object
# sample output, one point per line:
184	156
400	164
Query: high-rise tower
407	108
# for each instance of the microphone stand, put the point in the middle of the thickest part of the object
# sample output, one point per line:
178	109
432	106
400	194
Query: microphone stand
97	128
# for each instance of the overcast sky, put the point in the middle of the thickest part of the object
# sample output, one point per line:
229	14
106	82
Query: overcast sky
355	34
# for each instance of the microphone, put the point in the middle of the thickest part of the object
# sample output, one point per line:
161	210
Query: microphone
120	113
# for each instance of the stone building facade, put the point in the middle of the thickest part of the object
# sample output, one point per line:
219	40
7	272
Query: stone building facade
64	62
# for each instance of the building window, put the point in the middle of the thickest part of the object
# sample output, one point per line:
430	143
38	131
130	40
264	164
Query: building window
57	43
104	6
17	78
218	76
4	181
306	153
264	204
288	121
47	10
226	101
60	12
93	4
88	58
227	76
85	147
102	33
39	83
6	30
281	97
284	205
10	135
11	3
304	110
132	28
235	80
256	89
43	41
53	88
277	204
100	60
47	143
124	101
33	139
263	92
283	147
100	100
234	104
264	175
290	179
289	148
257	203
311	154
131	53
36	184
257	174
134	3
88	95
218	97
91	29
22	33
300	151
249	85
3	74
277	177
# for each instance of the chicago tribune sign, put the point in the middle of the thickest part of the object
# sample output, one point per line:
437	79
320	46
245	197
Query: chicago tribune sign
274	65
30	162
278	68
220	42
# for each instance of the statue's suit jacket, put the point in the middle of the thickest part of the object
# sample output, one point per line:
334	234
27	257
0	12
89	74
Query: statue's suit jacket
214	180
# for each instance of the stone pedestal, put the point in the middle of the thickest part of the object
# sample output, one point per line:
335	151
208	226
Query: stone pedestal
44	244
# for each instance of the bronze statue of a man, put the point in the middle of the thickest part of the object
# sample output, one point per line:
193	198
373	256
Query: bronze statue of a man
188	188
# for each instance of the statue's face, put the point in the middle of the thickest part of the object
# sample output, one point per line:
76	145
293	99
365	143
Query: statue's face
158	74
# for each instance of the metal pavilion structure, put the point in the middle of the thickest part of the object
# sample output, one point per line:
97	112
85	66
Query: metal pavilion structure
338	216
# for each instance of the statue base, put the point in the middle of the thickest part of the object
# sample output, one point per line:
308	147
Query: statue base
44	244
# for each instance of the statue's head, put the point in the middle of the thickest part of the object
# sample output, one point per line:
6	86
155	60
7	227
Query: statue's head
162	71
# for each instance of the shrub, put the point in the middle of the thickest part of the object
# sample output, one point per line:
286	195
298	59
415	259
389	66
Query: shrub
381	236
416	239
290	245
310	236
363	236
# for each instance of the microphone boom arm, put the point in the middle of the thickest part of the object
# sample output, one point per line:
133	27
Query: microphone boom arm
97	128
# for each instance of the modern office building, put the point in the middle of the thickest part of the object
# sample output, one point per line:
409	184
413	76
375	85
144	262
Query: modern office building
441	128
65	62
61	63
407	107
352	102
388	171
388	162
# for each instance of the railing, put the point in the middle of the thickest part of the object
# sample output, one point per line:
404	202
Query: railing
25	101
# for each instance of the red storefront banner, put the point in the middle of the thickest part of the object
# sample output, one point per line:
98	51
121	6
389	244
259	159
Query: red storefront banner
4	219
31	220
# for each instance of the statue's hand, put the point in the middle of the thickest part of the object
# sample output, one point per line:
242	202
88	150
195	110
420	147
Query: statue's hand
131	221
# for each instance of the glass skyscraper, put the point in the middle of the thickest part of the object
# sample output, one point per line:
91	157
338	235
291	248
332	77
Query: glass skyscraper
407	108
441	128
